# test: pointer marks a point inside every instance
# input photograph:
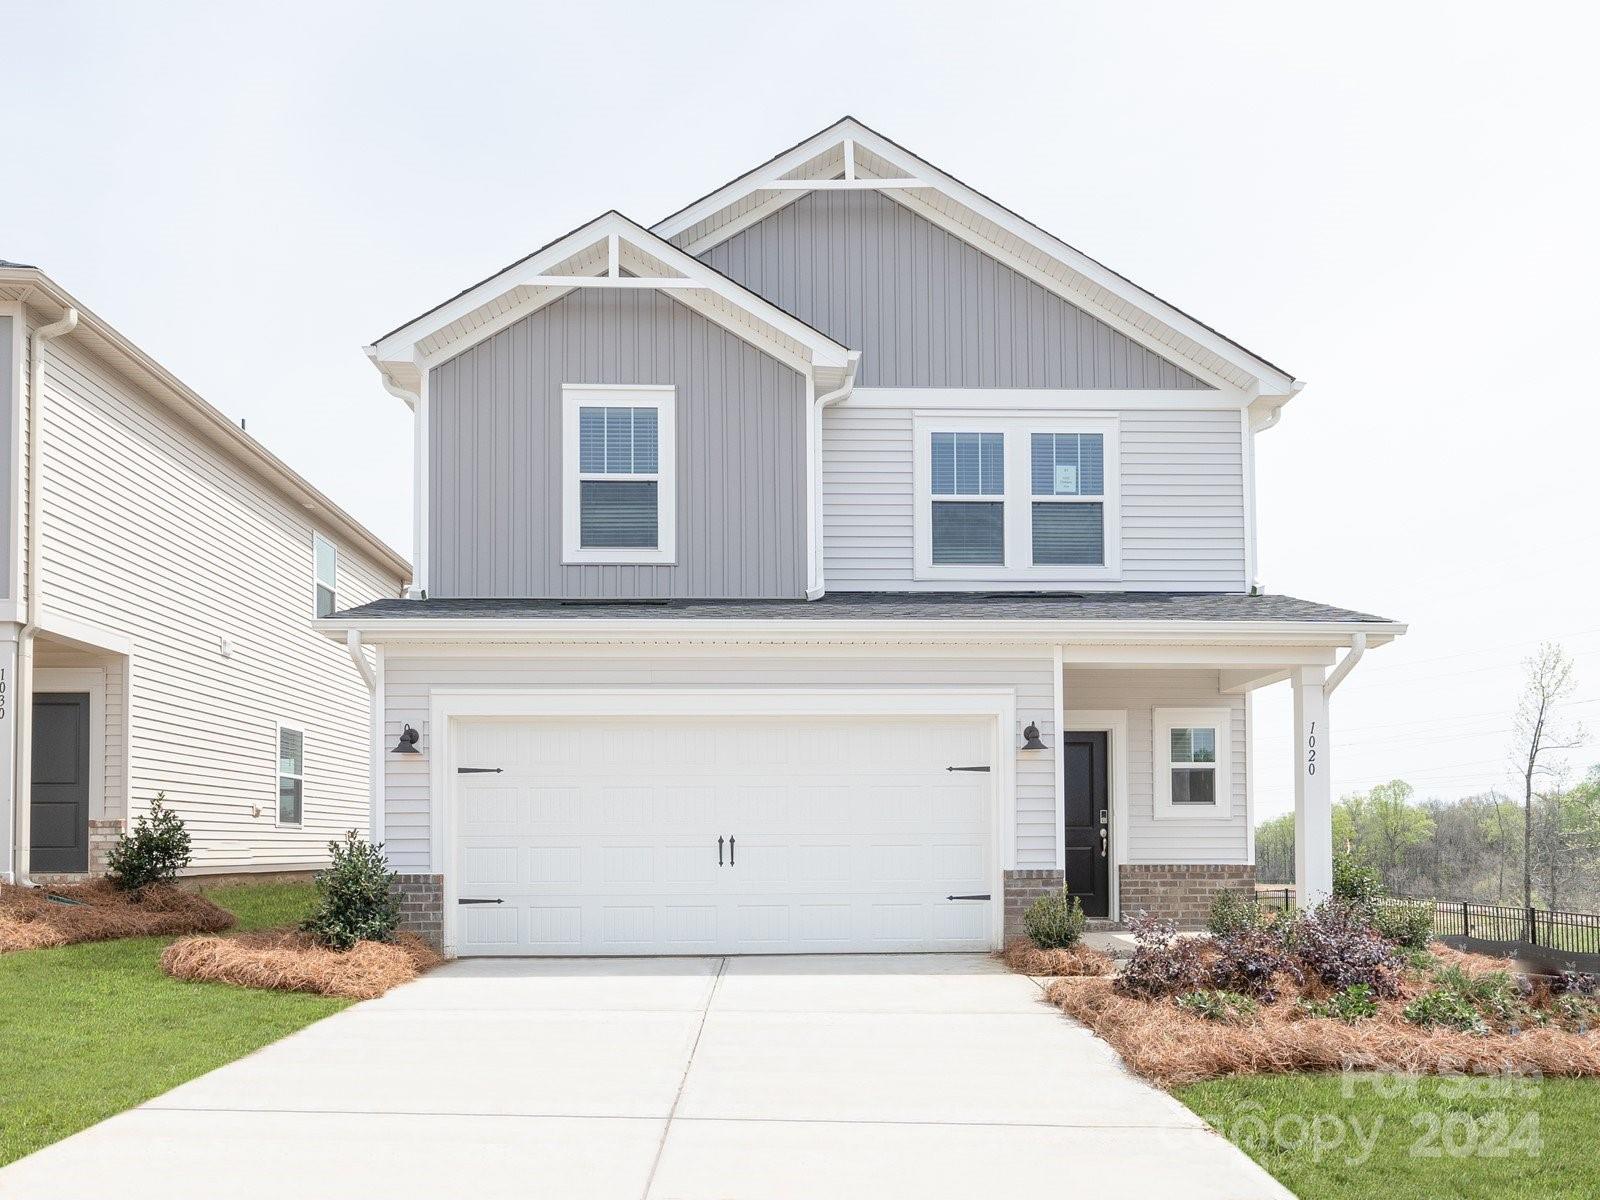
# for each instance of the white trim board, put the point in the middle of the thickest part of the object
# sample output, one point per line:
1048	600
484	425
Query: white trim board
450	705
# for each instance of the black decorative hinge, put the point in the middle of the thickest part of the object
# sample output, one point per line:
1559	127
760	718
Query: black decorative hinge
985	896
985	770
492	770
465	900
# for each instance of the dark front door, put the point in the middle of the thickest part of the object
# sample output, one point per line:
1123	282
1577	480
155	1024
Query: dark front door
1088	801
60	782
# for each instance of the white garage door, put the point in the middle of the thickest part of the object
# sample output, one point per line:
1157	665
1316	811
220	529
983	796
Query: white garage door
723	836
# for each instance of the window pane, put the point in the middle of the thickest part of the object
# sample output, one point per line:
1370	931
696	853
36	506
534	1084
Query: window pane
619	441
1068	464
327	562
1194	745
291	752
289	798
617	515
1069	534
968	464
644	441
326	601
592	440
1192	785
965	533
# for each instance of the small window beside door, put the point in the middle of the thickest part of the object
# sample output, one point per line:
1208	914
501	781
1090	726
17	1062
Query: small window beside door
1193	763
325	558
291	774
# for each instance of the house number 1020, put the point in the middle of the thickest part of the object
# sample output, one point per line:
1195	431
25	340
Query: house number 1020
1311	749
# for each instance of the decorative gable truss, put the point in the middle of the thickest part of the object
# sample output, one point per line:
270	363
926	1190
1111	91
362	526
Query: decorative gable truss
850	156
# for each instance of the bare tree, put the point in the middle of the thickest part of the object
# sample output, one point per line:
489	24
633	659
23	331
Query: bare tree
1539	737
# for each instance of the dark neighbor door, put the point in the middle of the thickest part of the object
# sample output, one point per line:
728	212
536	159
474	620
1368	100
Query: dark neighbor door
60	798
1087	797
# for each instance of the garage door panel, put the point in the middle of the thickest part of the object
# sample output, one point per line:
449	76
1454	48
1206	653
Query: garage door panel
601	837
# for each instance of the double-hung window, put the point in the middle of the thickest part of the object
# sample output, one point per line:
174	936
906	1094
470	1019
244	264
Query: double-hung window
291	775
325	568
618	473
1193	762
1015	497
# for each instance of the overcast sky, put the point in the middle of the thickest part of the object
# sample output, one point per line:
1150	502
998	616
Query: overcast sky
1396	202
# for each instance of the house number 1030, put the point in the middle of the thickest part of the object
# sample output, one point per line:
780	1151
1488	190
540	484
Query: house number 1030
1311	749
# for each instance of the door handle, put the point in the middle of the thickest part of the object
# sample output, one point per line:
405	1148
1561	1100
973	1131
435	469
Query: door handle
470	900
1105	841
730	852
719	851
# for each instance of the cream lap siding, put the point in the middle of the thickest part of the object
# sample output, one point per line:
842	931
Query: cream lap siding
150	533
410	675
1140	693
1182	479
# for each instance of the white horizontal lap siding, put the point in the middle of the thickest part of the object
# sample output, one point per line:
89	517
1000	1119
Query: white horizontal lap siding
1183	518
409	677
1140	692
150	533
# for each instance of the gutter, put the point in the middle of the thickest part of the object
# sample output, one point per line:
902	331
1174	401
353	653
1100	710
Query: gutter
21	792
818	587
352	641
1358	647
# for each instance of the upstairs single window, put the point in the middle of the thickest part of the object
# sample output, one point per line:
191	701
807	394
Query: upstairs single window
618	475
1068	515
969	487
325	559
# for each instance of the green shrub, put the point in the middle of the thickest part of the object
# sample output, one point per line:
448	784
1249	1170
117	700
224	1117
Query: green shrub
1232	912
1229	1007
1354	1003
1407	923
1054	921
1495	994
1357	884
156	850
1446	1008
356	905
1578	1011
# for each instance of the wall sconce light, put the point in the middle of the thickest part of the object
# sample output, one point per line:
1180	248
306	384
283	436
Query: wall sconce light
408	741
1030	738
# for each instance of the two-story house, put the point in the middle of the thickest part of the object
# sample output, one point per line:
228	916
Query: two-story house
832	566
160	573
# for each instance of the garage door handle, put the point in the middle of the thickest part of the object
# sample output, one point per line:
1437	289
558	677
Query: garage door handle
985	896
730	852
479	770
464	900
719	851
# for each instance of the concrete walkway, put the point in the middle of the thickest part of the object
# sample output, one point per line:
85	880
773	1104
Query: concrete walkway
925	1076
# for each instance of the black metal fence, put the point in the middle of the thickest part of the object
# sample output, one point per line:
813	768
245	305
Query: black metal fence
1550	929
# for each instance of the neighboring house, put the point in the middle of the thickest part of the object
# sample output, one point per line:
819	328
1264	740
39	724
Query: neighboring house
160	573
836	565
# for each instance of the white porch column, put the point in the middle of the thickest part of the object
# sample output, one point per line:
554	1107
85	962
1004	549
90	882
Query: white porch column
1313	798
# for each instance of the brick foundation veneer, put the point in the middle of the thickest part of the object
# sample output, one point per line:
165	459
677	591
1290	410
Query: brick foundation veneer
1180	892
103	836
421	906
1022	889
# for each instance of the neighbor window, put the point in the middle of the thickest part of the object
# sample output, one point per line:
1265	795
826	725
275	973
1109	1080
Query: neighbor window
1192	768
1015	497
619	485
325	556
291	774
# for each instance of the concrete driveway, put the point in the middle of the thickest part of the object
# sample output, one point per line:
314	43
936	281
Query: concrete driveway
925	1076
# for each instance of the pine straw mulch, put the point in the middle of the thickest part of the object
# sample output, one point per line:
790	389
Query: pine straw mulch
1023	957
286	961
30	921
1169	1046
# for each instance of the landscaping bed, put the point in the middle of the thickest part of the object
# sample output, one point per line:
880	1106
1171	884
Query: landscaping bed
98	912
1025	958
1305	999
295	962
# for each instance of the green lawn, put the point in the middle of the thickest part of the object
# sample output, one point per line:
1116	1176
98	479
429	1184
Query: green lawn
1393	1138
89	1030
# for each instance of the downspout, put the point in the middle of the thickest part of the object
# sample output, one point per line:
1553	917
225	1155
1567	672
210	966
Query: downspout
819	588
352	641
1358	647
22	786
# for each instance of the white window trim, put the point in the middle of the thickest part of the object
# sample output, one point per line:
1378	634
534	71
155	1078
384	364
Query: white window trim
317	542
1164	721
1018	428
661	397
279	775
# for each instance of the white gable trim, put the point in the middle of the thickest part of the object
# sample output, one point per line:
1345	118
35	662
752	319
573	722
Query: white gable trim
417	345
1251	375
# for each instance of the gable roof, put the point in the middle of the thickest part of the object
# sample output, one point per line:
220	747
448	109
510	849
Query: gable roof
97	336
609	251
850	148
